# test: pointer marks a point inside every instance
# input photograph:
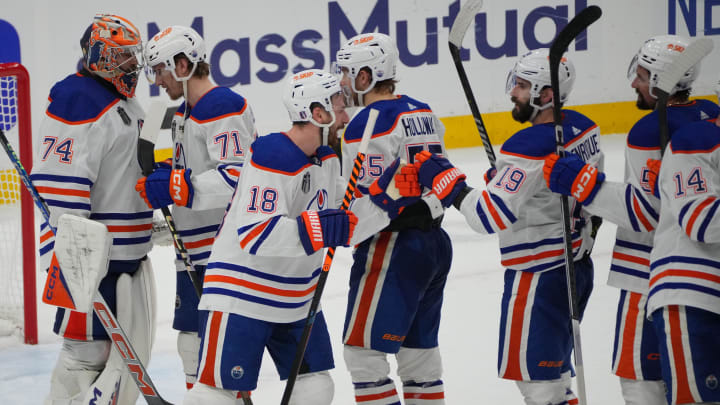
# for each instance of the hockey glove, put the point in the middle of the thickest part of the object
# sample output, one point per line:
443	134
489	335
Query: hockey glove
489	175
653	166
438	174
181	188
571	176
386	191
319	229
154	189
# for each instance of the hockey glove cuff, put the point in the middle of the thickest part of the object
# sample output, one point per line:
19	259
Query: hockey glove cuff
154	188
331	227
571	176
653	166
181	188
437	173
386	193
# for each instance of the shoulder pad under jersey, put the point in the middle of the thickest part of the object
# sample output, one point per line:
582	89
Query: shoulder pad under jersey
79	99
216	104
696	137
388	113
277	153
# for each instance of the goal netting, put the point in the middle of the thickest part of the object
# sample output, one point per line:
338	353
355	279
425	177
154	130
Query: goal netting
18	308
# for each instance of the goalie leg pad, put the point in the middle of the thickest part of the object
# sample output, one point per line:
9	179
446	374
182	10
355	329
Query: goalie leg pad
78	365
202	394
544	392
313	389
641	392
188	346
420	371
136	314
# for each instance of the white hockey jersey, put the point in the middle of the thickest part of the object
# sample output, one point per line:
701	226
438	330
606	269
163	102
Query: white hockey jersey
258	267
685	261
521	209
631	204
213	143
88	165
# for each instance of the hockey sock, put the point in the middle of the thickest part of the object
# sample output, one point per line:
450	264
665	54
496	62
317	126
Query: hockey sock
425	393
381	392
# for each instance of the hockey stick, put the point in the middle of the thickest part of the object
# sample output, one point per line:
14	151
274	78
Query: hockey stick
108	320
576	26
146	158
667	79
327	262
462	21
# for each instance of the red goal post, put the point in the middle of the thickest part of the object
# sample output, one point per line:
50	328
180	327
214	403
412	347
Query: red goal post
18	302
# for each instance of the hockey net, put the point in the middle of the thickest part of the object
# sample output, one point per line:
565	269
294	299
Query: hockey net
18	307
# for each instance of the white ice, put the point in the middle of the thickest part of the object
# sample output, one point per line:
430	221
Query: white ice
468	332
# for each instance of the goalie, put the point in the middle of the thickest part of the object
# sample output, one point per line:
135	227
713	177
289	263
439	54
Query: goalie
87	167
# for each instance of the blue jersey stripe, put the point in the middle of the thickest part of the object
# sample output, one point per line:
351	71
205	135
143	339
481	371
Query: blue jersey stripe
499	202
685	259
708	217
43	250
266	232
545	266
629	207
630	272
131	241
484	218
266	276
645	203
684	286
61	179
199	231
70	205
121	215
531	245
632	245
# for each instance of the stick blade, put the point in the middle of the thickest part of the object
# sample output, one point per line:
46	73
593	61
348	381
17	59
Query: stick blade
684	60
463	20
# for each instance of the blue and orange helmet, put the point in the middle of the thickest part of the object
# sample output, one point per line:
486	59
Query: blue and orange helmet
112	49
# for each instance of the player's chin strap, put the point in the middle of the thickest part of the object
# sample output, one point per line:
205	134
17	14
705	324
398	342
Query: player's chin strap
324	128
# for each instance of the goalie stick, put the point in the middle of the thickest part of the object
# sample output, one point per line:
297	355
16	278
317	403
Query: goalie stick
102	310
327	262
576	26
667	79
146	157
462	21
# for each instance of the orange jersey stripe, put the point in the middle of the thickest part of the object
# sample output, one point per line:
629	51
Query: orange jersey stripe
542	255
682	393
55	117
640	215
129	228
626	368
373	397
493	211
630	258
199	243
255	232
696	214
208	373
63	191
513	371
684	273
259	287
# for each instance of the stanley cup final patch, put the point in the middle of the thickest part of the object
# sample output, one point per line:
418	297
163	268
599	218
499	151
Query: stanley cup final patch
306	183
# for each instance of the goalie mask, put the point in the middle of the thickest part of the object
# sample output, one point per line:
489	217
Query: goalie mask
656	54
307	88
170	42
534	67
112	49
374	51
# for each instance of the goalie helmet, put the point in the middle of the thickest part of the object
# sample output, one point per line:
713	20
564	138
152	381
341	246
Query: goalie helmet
374	51
534	67
306	88
656	54
170	42
112	49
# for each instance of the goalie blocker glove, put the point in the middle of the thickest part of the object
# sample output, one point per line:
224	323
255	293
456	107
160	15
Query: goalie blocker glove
397	188
326	228
571	176
165	186
437	173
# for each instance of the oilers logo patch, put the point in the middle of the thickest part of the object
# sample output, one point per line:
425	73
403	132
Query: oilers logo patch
237	372
711	382
306	183
318	202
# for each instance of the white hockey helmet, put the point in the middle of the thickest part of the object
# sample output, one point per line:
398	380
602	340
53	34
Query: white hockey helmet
534	67
656	54
374	51
168	43
306	88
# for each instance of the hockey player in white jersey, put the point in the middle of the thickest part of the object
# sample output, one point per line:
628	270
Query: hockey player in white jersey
632	205
535	331
87	167
684	293
266	259
398	275
212	131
